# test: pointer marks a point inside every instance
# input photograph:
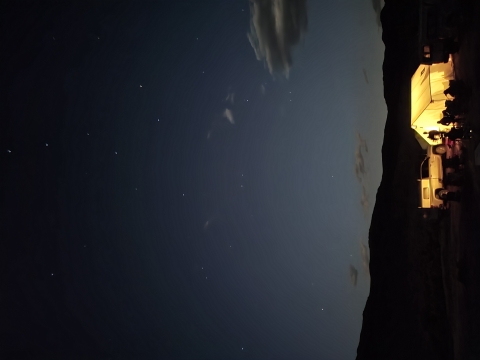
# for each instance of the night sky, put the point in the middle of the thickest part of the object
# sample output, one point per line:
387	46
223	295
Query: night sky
167	195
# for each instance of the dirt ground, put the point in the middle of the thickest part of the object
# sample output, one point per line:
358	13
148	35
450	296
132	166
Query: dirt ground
460	242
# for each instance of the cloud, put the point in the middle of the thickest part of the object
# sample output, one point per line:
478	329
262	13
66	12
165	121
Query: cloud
230	97
360	170
377	8
365	76
228	114
353	275
262	89
362	143
359	164
365	258
276	26
364	199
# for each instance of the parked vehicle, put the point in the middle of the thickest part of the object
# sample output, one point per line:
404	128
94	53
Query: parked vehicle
431	178
431	185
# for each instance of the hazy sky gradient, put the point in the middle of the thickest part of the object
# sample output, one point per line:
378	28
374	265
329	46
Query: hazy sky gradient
277	186
212	209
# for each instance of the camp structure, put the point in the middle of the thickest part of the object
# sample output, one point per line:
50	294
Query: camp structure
428	100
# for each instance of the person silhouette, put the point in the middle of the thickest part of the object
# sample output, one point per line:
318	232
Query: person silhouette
446	120
455	133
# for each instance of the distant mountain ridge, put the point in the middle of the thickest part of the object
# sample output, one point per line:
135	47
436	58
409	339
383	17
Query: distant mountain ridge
397	320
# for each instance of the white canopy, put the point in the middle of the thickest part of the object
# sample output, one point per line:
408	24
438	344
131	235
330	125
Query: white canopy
428	100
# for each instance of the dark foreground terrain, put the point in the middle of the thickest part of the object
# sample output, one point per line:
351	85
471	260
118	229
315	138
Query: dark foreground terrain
423	301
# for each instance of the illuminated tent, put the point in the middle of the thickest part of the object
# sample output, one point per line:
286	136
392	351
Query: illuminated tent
428	100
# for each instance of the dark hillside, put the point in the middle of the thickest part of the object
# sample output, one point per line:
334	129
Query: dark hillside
405	316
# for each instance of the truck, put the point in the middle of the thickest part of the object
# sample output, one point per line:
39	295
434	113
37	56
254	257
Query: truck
431	190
